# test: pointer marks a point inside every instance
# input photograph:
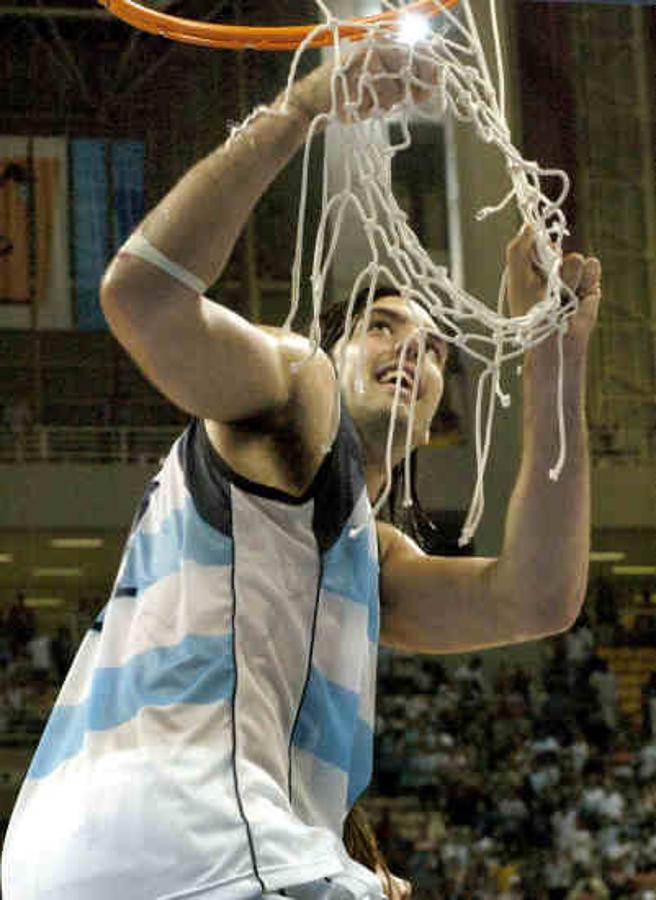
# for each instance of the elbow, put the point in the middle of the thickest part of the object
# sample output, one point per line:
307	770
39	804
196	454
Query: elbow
573	606
564	609
115	285
574	598
114	306
547	614
112	289
128	298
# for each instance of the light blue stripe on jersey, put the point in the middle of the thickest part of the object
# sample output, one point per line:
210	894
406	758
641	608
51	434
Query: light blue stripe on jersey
197	670
328	721
181	536
350	571
361	761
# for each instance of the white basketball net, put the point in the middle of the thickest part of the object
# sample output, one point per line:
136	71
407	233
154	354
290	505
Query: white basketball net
465	90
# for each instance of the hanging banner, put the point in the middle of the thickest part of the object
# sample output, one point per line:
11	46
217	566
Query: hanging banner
34	259
91	249
127	188
108	203
29	196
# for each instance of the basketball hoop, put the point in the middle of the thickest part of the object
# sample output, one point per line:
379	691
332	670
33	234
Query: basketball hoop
240	37
465	87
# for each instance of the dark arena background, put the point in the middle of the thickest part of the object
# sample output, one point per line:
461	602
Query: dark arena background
527	772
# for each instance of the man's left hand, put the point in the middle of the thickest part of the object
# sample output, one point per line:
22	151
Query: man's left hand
527	283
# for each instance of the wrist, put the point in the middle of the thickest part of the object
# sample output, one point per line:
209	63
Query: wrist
540	381
298	107
545	355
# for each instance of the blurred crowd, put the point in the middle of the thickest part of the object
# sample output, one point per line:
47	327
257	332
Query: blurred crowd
33	664
490	781
517	784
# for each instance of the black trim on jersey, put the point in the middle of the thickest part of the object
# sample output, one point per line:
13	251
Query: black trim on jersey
99	621
233	702
223	471
127	590
144	504
342	487
206	484
335	488
308	672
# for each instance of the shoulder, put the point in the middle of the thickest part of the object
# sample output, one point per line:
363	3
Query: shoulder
310	371
310	380
283	445
393	544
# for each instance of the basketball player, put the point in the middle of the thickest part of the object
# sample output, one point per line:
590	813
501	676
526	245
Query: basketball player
216	725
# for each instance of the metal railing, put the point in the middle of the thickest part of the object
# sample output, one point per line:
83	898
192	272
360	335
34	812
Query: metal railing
86	444
148	444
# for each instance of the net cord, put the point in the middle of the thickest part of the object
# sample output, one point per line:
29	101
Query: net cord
463	88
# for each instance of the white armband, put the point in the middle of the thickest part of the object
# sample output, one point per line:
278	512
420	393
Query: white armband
138	245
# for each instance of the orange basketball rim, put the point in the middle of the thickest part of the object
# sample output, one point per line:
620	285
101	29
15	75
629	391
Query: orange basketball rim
238	37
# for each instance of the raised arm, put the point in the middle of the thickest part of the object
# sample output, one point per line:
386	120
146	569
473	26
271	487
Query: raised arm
537	584
189	347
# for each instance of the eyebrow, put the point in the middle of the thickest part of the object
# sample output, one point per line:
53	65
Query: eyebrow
402	317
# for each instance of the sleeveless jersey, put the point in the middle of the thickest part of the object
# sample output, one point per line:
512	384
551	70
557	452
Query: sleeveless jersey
217	722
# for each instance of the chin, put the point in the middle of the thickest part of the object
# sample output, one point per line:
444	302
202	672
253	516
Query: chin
375	418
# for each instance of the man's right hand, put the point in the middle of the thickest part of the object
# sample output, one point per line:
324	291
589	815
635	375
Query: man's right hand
373	80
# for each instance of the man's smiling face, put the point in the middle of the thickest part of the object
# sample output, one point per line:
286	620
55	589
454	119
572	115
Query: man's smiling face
393	321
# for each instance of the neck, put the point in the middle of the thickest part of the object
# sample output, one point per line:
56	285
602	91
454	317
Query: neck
373	457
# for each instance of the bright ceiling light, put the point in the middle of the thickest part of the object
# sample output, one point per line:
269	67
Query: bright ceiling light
413	27
44	602
57	572
607	556
634	570
77	543
6	557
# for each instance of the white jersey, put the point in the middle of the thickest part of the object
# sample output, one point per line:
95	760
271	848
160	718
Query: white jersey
217	722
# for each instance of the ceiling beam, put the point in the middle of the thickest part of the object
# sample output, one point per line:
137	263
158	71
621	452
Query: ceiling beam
55	12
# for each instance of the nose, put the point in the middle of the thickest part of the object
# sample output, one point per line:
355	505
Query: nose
412	338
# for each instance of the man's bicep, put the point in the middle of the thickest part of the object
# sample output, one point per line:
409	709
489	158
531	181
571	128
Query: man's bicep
205	358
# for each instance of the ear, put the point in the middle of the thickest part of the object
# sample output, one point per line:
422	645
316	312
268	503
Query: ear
336	353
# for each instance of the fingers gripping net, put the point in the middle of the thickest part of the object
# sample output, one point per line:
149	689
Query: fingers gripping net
451	66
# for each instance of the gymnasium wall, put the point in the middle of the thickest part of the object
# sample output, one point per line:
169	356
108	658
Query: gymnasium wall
151	96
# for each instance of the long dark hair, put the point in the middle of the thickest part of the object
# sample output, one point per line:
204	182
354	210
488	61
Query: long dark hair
413	520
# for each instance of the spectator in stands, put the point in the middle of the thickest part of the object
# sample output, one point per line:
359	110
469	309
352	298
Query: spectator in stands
16	693
648	705
619	869
470	678
608	628
5	643
579	751
557	873
18	418
579	648
520	682
62	651
589	888
21	625
647	762
40	652
604	684
643	633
